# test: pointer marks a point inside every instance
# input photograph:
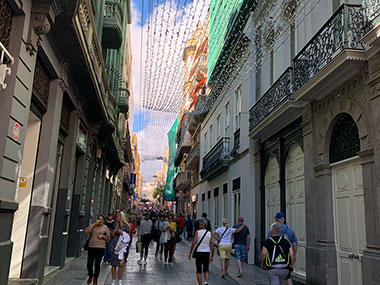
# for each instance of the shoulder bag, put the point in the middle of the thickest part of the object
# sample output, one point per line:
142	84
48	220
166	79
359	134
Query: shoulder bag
218	252
199	243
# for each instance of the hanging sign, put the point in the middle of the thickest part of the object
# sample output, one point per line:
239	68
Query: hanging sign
82	137
16	131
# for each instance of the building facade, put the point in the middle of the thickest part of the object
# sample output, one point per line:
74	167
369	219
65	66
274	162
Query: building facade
195	82
313	128
226	182
63	140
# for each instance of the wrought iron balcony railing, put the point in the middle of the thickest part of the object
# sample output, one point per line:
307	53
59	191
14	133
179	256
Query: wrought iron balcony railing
193	156
280	92
112	27
218	155
183	180
343	30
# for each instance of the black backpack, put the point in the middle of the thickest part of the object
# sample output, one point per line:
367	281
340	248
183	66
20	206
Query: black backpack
280	258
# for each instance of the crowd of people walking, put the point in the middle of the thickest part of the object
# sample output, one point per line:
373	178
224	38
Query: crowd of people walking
110	240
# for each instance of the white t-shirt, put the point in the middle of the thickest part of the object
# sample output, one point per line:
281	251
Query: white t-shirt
205	245
227	237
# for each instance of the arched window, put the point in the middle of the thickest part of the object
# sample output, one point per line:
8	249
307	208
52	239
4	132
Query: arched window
345	142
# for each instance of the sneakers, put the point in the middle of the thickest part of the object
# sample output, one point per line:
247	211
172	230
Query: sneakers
113	282
161	257
120	282
170	263
139	262
240	274
144	262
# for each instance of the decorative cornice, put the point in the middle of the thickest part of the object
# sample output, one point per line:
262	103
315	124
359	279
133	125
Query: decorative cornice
42	17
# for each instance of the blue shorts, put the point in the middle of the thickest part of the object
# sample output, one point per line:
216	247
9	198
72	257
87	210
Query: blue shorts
240	251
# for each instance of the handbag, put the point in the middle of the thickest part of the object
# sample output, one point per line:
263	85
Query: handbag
138	246
194	255
218	252
85	247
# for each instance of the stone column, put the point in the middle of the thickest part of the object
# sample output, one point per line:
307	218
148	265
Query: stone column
14	109
34	259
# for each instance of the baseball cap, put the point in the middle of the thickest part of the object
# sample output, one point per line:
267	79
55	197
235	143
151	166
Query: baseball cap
279	215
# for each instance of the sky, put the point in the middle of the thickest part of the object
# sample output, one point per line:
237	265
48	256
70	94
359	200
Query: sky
152	126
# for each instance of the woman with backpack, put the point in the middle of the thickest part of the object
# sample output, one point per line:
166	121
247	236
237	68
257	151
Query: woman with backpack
203	247
224	237
277	256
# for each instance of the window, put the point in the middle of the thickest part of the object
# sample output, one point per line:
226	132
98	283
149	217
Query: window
218	127
226	119
211	137
225	205
236	206
271	66
237	107
292	40
236	189
205	144
216	212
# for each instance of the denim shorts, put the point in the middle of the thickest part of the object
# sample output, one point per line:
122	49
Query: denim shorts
240	251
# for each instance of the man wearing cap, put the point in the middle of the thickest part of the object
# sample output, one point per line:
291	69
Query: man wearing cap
288	233
241	245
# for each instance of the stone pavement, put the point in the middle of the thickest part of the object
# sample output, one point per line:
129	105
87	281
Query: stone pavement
156	272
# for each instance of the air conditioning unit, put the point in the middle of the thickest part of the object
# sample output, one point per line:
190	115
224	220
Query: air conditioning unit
5	59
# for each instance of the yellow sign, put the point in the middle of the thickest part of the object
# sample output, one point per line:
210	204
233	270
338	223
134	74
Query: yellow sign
22	183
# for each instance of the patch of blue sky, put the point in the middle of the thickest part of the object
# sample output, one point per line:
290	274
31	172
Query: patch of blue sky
147	7
140	120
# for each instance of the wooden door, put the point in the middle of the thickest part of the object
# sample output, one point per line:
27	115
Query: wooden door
295	203
349	220
272	191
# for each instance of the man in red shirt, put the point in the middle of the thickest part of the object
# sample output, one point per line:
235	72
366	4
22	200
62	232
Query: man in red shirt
181	222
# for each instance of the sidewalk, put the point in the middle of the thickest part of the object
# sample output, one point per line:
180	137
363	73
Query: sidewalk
252	273
156	272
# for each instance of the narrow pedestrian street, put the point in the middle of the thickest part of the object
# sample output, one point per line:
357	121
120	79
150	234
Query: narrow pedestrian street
156	272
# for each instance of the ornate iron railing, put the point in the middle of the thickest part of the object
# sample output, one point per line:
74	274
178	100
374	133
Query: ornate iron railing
280	91
183	180
194	153
343	30
372	12
5	22
218	154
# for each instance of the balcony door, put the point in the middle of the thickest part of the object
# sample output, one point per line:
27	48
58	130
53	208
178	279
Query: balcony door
272	191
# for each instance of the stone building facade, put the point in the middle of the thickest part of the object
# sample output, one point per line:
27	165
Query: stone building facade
62	136
314	125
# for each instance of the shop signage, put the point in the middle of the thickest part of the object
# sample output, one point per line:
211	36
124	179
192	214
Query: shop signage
16	131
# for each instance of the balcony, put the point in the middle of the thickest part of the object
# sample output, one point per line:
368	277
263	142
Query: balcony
111	110
184	146
123	100
183	181
193	157
112	26
332	57
274	109
216	160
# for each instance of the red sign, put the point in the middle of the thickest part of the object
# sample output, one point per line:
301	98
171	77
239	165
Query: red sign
16	131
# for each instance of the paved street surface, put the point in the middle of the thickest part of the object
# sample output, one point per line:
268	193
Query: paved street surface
155	272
